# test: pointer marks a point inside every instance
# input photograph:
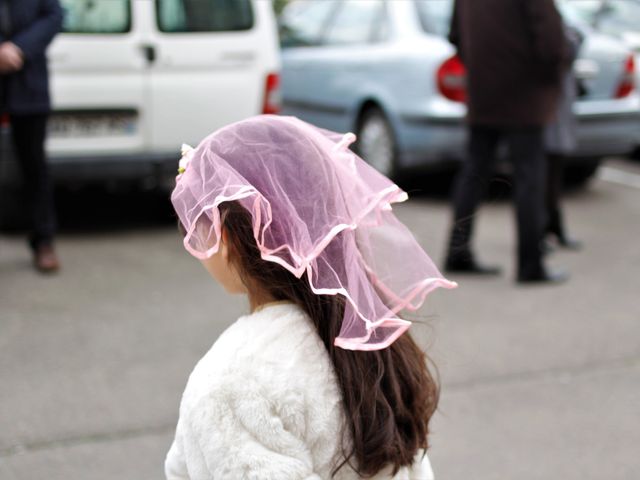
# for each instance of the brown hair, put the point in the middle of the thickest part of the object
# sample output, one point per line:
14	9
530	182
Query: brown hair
388	395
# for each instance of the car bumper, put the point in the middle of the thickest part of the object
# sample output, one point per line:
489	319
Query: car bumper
604	130
607	128
132	167
156	169
431	142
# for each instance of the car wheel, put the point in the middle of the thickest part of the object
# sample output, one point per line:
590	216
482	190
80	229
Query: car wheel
376	142
579	174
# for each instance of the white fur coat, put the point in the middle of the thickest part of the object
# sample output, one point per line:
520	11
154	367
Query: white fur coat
264	404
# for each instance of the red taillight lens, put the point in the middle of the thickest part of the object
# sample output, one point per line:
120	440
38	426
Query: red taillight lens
452	79
272	94
4	120
628	82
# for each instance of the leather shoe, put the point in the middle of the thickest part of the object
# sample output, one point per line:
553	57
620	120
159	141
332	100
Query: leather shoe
45	259
569	243
545	276
470	267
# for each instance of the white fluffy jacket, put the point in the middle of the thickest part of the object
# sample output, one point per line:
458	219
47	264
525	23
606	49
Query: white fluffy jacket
264	404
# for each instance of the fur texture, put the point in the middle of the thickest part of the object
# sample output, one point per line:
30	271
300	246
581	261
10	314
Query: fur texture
263	404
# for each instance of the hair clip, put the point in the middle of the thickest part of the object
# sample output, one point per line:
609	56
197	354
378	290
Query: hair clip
187	153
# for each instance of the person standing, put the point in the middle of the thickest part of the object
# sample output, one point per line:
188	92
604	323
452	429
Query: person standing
514	52
560	140
27	27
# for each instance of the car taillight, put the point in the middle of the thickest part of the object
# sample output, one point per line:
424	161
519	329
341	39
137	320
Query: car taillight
627	83
4	120
452	79
272	94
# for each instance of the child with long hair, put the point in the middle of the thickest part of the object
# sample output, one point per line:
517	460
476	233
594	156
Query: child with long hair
320	380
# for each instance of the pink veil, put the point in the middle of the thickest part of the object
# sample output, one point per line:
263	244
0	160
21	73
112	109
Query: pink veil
317	208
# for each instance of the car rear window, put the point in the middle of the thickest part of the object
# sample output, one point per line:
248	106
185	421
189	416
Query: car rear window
185	16
435	15
612	16
356	22
303	21
583	11
96	16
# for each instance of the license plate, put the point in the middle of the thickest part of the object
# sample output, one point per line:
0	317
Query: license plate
85	125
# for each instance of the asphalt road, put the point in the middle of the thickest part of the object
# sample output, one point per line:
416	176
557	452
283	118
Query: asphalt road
538	382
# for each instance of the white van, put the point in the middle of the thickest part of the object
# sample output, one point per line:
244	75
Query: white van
131	80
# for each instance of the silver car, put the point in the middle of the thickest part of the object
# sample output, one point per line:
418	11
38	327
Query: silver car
618	18
385	70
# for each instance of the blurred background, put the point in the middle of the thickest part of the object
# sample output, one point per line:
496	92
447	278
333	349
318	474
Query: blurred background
537	382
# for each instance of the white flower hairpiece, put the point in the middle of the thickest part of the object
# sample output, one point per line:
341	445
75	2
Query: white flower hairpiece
187	153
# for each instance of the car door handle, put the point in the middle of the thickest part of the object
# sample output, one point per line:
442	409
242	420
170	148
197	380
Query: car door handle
149	52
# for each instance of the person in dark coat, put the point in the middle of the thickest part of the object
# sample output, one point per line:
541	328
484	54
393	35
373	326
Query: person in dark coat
514	53
27	27
560	141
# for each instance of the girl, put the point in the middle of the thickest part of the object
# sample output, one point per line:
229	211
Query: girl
320	380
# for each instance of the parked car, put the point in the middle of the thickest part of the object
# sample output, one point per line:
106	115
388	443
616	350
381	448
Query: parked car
132	80
618	18
385	70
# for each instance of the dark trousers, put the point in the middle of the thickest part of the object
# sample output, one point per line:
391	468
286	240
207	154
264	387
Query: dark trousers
29	133
526	149
555	170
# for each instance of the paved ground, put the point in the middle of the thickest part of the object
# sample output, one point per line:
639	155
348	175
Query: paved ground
538	383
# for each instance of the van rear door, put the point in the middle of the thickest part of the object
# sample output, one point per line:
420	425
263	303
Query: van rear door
97	77
212	59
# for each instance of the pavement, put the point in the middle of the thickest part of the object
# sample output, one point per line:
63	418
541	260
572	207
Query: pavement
537	382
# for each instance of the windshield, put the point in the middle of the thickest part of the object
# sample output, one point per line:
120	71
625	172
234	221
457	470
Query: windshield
582	11
435	15
610	16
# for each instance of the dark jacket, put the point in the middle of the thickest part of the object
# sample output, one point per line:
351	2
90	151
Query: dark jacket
33	25
514	52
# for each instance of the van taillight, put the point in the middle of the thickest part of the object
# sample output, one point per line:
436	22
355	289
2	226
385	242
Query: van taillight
4	120
452	79
272	94
627	83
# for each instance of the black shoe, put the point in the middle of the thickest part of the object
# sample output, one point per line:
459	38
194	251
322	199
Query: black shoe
556	229
569	243
544	276
470	267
